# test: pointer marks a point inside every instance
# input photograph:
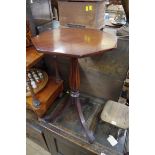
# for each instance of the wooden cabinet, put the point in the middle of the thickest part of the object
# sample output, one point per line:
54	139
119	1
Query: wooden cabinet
35	133
60	146
65	137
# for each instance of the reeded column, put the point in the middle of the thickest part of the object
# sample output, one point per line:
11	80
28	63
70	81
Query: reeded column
74	82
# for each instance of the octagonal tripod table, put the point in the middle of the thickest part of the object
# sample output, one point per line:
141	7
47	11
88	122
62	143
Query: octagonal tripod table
75	43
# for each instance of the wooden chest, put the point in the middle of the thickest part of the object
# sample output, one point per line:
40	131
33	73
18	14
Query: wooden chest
86	14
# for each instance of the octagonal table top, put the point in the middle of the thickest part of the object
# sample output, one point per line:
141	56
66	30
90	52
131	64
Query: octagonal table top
74	42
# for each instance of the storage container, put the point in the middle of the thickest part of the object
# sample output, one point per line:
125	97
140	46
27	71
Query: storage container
85	13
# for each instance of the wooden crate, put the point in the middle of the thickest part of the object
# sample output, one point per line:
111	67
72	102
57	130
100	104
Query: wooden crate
86	14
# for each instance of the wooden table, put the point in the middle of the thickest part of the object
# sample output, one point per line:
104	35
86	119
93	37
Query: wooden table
75	43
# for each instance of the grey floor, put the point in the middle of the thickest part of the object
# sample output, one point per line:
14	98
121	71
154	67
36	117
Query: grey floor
34	149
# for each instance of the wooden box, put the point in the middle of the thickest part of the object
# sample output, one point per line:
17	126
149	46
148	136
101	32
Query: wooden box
46	96
86	14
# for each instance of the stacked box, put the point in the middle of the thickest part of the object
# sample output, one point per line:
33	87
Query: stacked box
85	13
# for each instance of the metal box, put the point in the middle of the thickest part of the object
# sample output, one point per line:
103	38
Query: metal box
86	14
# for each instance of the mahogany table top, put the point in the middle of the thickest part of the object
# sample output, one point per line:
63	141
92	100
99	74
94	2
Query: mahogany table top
74	42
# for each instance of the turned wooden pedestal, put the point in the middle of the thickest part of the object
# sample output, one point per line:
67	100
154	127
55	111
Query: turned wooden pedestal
74	43
74	81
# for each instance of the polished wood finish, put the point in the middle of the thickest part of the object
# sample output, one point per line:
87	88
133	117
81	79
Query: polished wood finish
46	96
103	75
32	56
75	86
28	34
74	42
74	78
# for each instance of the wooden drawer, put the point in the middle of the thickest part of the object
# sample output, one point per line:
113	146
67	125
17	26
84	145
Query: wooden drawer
35	133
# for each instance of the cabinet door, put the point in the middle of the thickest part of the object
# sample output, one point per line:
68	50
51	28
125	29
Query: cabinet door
35	133
60	146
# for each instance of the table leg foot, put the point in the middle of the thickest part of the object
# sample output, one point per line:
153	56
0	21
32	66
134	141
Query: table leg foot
53	116
74	81
88	132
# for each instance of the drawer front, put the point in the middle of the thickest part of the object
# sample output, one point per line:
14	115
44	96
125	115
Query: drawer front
59	146
35	133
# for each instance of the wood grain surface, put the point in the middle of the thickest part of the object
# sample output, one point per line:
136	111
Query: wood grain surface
46	96
32	56
74	42
74	78
101	75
